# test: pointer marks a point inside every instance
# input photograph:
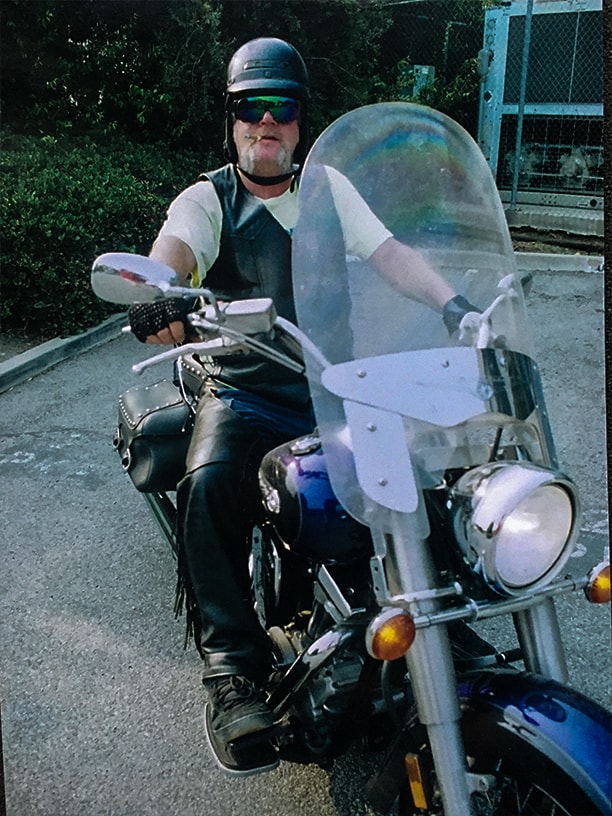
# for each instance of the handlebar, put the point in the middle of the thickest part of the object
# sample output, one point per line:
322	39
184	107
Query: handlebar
475	327
229	329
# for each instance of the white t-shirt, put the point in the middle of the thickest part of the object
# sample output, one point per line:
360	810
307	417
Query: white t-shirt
195	216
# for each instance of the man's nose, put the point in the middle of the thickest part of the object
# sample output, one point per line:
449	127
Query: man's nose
267	118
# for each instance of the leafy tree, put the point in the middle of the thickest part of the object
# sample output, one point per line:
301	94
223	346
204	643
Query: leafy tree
147	70
155	69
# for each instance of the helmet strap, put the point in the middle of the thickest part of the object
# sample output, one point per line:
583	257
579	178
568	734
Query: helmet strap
267	181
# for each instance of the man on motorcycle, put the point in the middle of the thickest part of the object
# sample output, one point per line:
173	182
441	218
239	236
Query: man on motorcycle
231	231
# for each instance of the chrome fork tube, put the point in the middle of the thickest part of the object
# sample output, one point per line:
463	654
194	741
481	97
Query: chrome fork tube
438	709
431	667
537	628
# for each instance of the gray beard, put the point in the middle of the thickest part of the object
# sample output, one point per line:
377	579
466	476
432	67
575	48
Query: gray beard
284	163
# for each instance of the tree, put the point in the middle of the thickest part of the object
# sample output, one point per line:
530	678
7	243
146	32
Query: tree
154	70
144	70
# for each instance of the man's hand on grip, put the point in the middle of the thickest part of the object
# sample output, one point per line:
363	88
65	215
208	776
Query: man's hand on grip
162	321
454	311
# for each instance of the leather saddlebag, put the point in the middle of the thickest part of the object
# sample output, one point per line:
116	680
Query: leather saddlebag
153	434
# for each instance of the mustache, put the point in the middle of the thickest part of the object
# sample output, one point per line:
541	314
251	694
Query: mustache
251	137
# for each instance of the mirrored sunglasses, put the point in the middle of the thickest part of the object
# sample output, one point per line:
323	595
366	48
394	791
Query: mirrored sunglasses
252	109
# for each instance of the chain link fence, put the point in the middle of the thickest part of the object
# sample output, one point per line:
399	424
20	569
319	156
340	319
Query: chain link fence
523	77
541	124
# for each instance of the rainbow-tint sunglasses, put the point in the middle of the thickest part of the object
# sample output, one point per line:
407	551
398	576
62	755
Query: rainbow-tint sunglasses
251	109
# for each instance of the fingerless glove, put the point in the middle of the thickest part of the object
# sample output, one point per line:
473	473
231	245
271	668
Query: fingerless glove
454	311
150	318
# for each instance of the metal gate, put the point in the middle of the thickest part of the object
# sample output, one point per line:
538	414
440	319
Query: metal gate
541	110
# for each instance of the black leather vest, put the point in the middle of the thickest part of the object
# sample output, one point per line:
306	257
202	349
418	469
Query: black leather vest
254	261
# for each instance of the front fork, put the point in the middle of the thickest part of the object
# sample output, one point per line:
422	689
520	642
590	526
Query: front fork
409	571
537	628
433	684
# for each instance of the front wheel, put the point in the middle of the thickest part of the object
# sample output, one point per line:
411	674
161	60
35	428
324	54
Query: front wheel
531	787
540	748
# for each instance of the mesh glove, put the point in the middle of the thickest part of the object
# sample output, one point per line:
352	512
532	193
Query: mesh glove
454	311
150	318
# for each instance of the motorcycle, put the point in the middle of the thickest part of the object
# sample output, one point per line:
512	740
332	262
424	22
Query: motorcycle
428	498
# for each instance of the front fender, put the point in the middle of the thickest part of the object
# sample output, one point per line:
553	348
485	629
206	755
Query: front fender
533	721
571	730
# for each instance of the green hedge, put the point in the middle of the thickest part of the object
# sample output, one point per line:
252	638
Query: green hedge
62	203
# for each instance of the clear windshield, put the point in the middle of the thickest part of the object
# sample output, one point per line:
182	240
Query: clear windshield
402	400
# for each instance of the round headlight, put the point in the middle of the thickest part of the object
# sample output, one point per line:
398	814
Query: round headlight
515	523
531	536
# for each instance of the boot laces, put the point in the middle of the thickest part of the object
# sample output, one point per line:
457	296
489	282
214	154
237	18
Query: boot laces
235	690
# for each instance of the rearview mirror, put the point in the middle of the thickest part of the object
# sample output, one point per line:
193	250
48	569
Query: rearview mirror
121	277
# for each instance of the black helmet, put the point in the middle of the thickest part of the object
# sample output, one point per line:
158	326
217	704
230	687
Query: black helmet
266	65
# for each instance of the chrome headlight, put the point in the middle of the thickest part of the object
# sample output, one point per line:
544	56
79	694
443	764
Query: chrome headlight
515	524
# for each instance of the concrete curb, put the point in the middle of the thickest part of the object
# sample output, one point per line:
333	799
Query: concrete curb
543	262
36	360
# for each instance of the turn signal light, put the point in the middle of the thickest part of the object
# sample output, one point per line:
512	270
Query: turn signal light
415	779
598	588
390	634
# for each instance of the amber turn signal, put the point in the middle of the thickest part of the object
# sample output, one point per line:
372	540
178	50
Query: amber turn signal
415	779
390	634
597	589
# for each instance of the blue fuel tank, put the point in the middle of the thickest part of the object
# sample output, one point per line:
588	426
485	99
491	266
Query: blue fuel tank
301	505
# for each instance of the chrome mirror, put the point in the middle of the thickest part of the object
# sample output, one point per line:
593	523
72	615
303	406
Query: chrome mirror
121	277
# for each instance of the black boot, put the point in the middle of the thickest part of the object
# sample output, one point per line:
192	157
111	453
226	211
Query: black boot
237	708
238	724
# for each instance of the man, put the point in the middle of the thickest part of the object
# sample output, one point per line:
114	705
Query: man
232	233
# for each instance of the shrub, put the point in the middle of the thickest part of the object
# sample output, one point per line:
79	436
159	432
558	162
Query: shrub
62	203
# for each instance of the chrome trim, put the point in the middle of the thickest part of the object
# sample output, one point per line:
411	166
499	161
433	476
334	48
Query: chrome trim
331	596
309	662
473	610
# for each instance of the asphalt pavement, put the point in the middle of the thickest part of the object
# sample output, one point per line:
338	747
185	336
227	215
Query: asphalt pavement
101	707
